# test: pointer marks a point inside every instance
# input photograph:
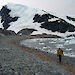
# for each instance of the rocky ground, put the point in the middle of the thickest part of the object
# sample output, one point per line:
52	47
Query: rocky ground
20	60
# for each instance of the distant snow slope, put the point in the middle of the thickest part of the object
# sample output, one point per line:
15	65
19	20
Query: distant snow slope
17	17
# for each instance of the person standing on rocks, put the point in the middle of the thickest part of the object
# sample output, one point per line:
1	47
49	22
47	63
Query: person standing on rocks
59	54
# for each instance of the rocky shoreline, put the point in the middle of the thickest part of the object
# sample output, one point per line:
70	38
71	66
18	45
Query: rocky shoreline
20	60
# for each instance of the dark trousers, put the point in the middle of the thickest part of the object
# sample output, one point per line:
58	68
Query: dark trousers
60	58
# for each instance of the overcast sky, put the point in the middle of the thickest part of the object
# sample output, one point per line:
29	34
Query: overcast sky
57	6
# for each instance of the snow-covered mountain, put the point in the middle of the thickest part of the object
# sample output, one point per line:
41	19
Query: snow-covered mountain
20	18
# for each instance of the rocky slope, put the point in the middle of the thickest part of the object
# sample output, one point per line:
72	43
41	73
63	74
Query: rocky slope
4	32
18	60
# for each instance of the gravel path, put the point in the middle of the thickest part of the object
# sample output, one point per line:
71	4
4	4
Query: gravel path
16	60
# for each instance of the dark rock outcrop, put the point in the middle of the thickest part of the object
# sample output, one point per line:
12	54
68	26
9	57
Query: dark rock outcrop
6	18
43	18
70	18
59	25
26	31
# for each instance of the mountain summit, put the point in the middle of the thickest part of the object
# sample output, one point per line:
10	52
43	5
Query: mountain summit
19	18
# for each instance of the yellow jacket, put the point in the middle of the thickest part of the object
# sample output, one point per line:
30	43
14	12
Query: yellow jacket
59	52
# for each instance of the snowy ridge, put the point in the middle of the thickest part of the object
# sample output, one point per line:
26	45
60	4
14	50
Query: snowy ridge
26	18
67	20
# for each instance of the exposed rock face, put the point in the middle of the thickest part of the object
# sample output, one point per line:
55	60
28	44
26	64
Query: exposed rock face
59	25
43	18
26	31
6	18
70	18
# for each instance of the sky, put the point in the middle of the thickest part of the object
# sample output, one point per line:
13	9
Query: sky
56	6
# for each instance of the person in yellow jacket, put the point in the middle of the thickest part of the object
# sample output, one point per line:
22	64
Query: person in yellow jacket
59	54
